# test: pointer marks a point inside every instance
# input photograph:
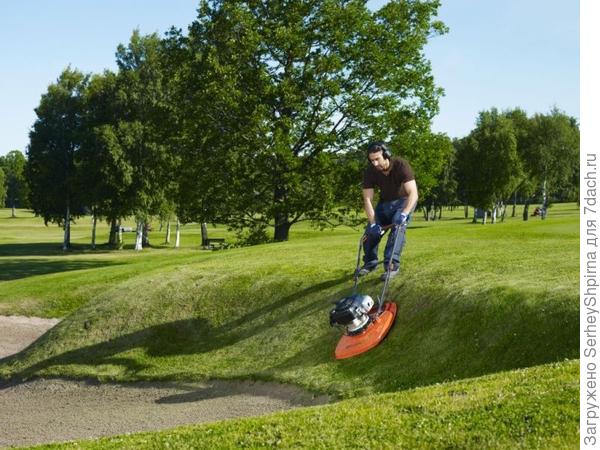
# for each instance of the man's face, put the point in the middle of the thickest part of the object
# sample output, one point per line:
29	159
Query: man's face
378	160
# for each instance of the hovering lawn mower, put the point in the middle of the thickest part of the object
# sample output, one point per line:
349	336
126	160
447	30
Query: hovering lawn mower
365	323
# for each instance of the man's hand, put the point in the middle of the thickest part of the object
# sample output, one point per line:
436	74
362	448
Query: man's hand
403	218
374	229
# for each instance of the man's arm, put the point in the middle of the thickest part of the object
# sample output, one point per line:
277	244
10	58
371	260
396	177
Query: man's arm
412	195
368	195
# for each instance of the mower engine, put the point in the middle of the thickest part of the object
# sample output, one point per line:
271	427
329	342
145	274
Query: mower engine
352	313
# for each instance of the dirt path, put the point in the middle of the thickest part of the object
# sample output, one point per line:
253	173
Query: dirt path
43	411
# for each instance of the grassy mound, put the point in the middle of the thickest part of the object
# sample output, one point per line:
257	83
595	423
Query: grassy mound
533	408
472	300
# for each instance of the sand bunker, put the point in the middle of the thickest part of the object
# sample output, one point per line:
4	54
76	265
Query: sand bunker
44	411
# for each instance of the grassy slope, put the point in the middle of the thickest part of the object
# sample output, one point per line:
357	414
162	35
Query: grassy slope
38	279
533	408
472	300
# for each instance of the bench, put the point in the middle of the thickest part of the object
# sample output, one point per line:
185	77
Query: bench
211	243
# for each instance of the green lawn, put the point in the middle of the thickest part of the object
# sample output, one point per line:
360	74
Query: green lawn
472	300
530	409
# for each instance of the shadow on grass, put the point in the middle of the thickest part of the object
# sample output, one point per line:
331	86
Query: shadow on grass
15	269
48	249
184	337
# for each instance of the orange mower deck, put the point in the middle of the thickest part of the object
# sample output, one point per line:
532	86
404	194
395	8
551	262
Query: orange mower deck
350	346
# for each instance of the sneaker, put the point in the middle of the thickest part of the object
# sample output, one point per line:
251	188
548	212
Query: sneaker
395	271
364	270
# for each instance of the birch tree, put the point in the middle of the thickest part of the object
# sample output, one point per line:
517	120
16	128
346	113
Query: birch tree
488	159
145	131
551	153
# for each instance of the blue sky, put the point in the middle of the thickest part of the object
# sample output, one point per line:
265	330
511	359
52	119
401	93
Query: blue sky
502	53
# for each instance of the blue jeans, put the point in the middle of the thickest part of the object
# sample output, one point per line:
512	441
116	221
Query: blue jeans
386	213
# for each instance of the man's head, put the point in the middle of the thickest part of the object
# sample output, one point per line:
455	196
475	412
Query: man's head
379	155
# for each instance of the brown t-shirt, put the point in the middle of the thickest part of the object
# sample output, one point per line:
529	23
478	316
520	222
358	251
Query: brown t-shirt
392	184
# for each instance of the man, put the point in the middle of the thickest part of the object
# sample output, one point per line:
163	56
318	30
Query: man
398	198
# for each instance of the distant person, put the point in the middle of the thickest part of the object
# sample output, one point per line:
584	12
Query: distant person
398	198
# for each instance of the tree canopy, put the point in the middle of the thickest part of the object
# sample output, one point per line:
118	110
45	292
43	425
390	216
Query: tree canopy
15	184
509	153
54	139
258	117
489	156
297	83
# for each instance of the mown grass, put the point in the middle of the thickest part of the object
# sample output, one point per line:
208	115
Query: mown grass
533	408
473	300
39	279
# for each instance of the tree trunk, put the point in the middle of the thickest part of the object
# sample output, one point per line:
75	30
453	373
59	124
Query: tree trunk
544	201
13	213
204	235
145	238
168	235
440	213
494	214
485	216
120	235
94	221
138	235
282	227
514	211
67	237
177	233
282	218
466	211
112	236
526	210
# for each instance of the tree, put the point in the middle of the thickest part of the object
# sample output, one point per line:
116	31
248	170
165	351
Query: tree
551	152
445	192
106	172
17	191
2	186
489	158
522	128
272	91
126	161
54	141
146	129
429	154
462	169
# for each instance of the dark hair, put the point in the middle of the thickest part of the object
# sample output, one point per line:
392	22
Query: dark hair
379	146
